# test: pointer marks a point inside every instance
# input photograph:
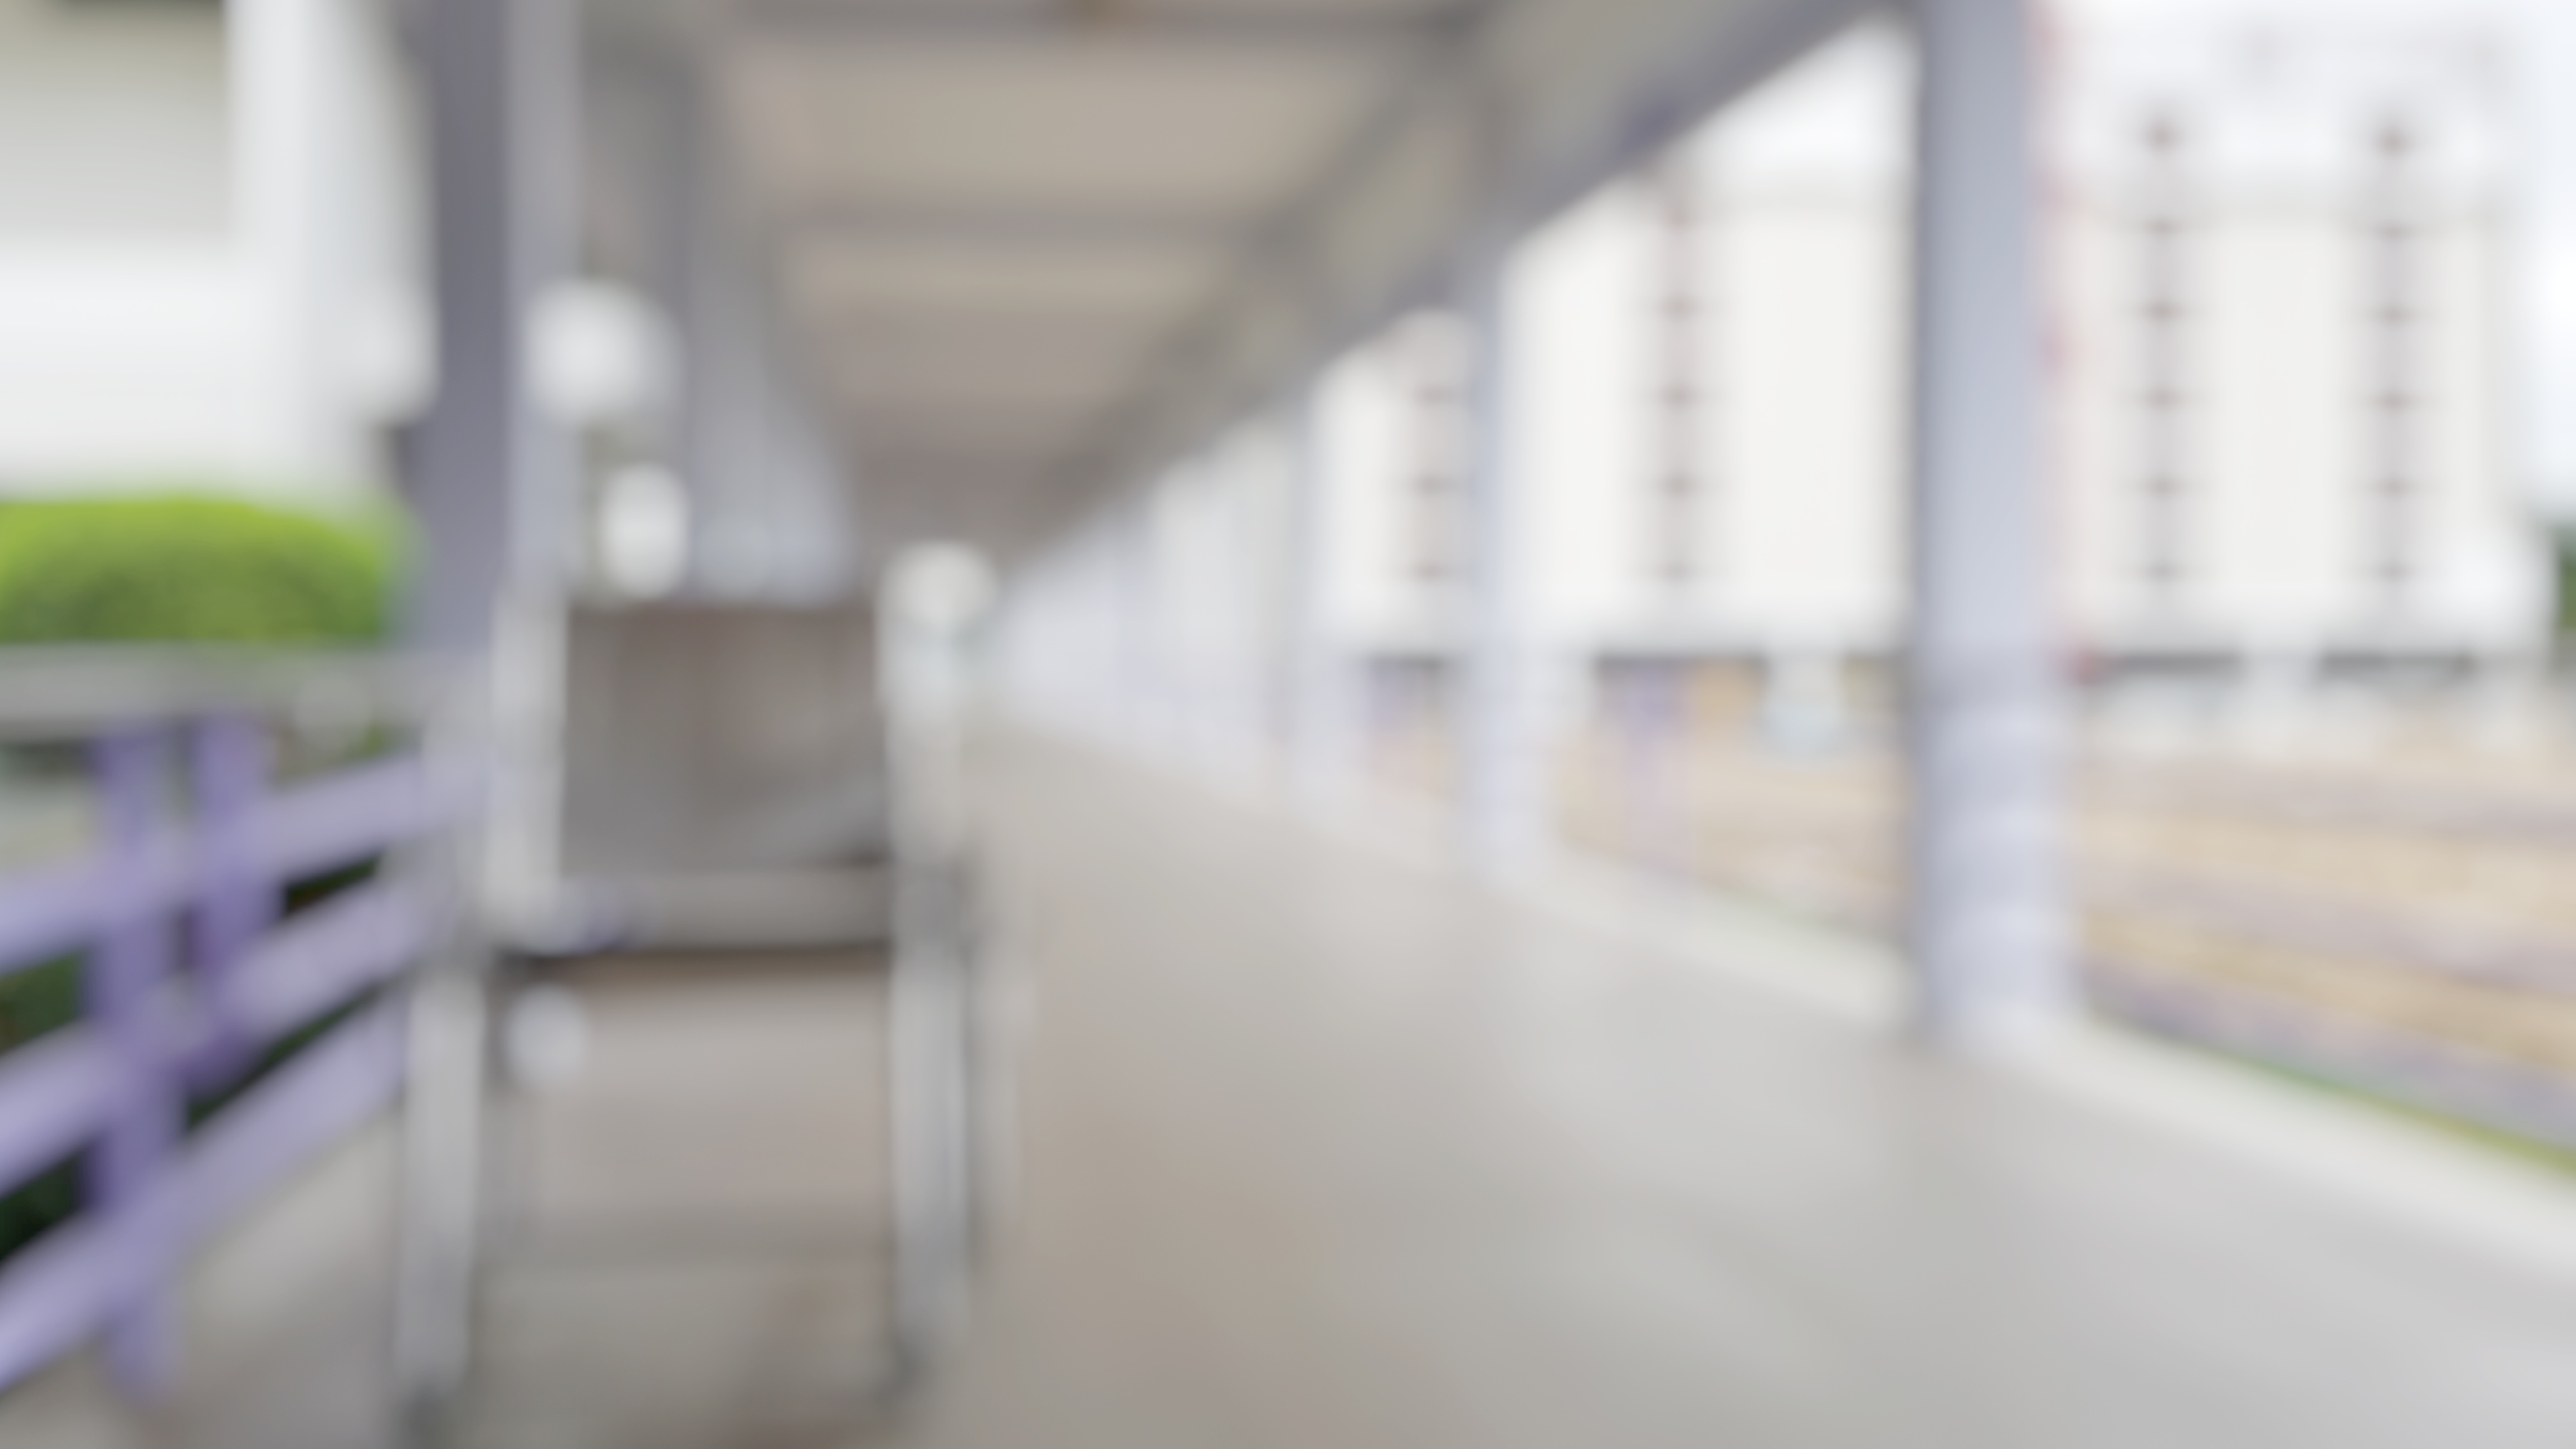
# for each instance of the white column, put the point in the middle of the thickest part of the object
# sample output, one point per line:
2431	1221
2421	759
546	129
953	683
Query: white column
1987	917
1502	768
2545	208
491	492
1146	710
1317	678
291	122
934	596
492	499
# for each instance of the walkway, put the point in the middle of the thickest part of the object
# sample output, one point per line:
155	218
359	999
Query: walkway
1327	1151
1325	1148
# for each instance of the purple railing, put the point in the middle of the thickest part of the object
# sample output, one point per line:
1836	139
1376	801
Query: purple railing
193	971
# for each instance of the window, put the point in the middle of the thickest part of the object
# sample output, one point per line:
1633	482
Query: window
1679	394
2393	326
2164	335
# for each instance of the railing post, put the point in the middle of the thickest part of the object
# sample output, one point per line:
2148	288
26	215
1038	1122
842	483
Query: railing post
231	766
131	961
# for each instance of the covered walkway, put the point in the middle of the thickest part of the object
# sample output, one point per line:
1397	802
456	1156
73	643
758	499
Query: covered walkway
1331	1145
1376	1133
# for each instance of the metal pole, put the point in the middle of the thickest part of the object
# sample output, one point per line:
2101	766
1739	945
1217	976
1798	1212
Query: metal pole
1986	920
1503	769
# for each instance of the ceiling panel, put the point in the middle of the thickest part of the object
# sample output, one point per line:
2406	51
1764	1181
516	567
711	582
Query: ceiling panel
1038	247
925	275
1078	126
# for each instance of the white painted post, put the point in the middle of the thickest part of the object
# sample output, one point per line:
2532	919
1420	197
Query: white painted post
934	598
497	80
1987	918
1502	794
2545	207
493	498
1318	716
1145	710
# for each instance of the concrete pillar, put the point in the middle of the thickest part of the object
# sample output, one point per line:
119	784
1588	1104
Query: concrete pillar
1319	716
493	498
934	598
1986	921
490	493
496	492
1146	706
1503	770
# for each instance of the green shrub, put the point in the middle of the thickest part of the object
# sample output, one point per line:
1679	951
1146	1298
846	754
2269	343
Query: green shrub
2567	584
169	568
185	568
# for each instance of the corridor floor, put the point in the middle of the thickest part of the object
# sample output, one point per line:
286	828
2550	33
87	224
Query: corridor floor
1319	1144
1324	1148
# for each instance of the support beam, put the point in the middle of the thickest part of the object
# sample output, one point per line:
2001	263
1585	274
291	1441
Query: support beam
1503	768
499	76
1317	678
496	480
1036	228
1987	917
1286	31
1146	670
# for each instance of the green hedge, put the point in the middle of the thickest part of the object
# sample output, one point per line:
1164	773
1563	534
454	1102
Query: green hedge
178	567
2567	585
172	568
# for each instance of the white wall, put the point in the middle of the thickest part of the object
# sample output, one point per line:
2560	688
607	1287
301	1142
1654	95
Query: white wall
1803	295
177	310
2277	185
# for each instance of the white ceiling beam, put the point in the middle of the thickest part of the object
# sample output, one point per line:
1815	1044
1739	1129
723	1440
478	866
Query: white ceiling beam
1044	227
1527	111
1292	32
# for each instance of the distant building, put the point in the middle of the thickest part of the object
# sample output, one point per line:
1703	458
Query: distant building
2281	439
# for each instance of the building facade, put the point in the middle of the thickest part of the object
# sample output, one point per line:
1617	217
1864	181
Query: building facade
2281	434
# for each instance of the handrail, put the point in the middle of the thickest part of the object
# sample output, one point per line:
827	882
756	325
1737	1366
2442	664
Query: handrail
190	971
353	813
55	691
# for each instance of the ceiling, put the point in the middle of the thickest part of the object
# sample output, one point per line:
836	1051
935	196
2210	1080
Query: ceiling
1034	248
